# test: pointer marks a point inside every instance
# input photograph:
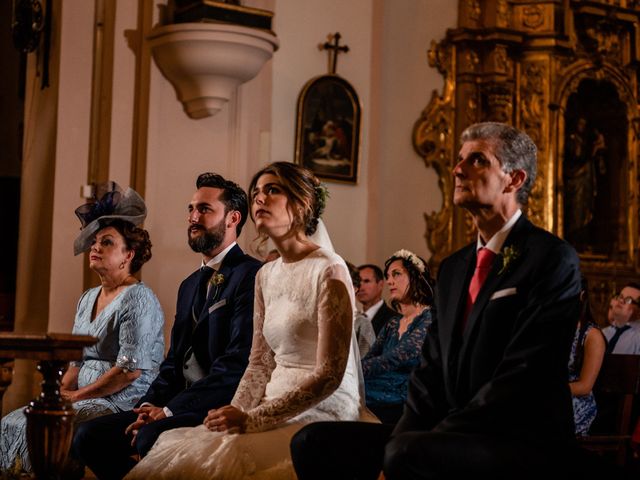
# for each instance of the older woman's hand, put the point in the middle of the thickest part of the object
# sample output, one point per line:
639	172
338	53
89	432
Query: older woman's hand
69	395
226	418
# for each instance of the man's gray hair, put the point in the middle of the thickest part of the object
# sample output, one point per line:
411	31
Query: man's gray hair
514	149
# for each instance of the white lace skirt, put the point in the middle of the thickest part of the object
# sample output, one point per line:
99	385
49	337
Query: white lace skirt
199	454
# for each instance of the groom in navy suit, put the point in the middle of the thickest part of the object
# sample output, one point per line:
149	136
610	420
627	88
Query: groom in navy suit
491	397
210	338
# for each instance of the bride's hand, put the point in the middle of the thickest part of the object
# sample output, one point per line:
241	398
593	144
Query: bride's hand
226	418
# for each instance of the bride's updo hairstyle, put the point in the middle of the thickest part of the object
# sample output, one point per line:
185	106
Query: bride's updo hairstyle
306	194
420	289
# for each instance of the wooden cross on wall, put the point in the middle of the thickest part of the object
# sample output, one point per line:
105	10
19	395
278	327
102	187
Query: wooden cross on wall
333	49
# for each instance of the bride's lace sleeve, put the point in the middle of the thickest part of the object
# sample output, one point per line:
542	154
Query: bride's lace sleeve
261	362
335	313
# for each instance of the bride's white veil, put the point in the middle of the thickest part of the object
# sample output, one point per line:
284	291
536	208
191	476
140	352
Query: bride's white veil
322	239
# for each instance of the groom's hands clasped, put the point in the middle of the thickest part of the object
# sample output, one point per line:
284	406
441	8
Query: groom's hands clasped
146	414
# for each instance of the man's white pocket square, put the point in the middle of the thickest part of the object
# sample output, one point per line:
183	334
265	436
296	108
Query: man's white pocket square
217	305
504	293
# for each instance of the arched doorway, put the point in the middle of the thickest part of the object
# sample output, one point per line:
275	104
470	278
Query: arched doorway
595	157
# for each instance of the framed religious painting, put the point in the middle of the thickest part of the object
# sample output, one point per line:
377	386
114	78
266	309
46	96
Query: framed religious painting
328	128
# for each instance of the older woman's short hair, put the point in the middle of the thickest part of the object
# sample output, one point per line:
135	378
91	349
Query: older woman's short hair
514	149
136	239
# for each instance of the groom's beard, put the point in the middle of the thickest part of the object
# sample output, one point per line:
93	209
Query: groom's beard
209	238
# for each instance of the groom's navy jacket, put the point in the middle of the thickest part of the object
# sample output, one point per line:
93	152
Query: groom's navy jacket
221	340
507	373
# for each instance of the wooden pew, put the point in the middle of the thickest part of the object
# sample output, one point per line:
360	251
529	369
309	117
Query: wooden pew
619	377
49	417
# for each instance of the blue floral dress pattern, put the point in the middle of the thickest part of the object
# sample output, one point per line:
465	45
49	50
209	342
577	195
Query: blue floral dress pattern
584	406
391	360
130	332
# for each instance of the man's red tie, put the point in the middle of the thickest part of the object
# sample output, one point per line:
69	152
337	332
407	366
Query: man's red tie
484	261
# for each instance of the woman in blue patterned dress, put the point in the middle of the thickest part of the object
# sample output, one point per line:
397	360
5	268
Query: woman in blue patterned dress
587	352
123	313
396	351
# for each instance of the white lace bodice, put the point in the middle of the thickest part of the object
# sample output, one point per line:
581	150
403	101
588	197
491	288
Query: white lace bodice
301	345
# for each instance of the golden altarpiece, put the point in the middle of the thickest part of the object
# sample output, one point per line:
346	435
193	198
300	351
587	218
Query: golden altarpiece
566	72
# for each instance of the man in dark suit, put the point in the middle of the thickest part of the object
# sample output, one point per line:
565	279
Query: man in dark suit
492	395
491	398
369	294
210	338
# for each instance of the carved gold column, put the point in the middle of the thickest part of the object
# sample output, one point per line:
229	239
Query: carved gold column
519	62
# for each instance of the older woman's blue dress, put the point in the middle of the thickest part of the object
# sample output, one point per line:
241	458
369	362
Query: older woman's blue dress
391	360
130	335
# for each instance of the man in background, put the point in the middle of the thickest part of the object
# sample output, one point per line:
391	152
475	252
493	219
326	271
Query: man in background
370	296
623	333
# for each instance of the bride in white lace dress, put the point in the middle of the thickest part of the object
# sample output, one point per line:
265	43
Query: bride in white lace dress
303	365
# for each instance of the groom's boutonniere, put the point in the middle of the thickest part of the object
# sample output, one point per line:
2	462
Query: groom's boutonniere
217	279
509	255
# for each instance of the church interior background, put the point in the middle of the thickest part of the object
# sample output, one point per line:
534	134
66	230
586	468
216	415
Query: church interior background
564	71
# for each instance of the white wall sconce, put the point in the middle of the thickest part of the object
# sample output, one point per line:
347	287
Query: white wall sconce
205	62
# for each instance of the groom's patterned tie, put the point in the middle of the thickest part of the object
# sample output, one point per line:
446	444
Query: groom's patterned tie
484	261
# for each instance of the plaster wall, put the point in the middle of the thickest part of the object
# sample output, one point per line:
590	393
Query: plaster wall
368	221
72	150
179	148
301	26
387	65
406	189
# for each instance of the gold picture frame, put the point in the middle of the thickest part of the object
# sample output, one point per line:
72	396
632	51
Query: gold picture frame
328	128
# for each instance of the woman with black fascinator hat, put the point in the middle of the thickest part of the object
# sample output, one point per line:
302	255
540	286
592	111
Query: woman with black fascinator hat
122	312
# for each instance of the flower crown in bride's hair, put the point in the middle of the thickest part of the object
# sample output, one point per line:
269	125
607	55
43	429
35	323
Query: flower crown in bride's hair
411	257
